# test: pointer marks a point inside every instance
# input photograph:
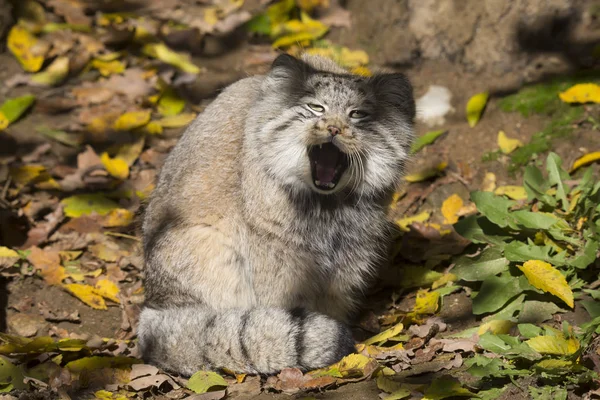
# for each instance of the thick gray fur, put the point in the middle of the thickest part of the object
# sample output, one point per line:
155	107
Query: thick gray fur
248	265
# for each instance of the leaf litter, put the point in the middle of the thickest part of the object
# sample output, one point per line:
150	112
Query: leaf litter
522	253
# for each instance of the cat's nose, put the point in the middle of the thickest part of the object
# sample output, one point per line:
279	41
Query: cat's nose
333	130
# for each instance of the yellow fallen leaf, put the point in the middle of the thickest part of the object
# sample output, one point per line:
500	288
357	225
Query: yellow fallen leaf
117	217
547	278
506	144
556	345
403	223
107	289
170	103
450	208
447	277
205	381
374	351
426	173
475	107
585	160
361	71
27	173
152	128
108	252
99	125
581	93
297	31
513	192
498	326
116	167
87	294
108	67
6	252
128	152
427	302
176	121
85	204
541	239
385	335
489	182
54	74
551	364
23	45
132	119
353	362
355	60
439	228
166	55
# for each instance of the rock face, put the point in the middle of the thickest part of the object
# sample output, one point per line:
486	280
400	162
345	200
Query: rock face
494	35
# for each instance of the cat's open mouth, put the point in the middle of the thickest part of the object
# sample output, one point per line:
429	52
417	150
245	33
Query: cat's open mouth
327	164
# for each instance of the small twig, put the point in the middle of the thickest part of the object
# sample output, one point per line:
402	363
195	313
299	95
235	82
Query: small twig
5	188
123	235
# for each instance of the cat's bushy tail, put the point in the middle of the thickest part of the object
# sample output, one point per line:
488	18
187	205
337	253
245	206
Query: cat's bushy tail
259	340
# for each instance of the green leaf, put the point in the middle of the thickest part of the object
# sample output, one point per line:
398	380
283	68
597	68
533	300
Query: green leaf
587	255
85	204
204	381
489	262
507	346
11	376
536	186
556	176
493	343
12	109
260	24
426	139
495	208
479	229
508	312
519	251
548	393
491	394
536	312
445	387
534	220
495	292
529	330
480	366
69	139
592	307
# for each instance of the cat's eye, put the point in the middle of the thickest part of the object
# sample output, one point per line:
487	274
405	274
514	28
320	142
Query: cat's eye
358	114
316	107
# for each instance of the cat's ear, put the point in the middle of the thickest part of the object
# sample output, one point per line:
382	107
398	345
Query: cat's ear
394	91
287	67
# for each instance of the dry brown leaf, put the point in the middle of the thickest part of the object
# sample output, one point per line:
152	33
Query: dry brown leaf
48	263
40	232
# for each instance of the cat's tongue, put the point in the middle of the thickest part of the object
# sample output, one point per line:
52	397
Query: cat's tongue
326	159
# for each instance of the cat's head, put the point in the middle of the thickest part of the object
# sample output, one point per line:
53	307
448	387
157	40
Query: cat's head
316	127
